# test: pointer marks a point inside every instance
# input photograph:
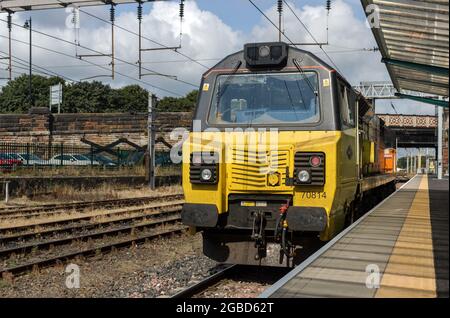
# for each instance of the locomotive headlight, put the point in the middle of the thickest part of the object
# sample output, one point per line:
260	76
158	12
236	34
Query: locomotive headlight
264	51
206	174
304	176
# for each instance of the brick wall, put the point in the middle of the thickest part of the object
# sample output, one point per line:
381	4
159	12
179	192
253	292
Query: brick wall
39	126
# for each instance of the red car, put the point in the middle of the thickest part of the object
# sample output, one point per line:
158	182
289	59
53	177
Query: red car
7	163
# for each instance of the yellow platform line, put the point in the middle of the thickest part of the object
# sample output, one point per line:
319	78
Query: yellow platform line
416	278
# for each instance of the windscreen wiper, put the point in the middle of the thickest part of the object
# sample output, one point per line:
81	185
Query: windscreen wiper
305	77
235	69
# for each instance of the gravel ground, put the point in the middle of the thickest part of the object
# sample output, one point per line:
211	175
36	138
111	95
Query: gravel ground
154	269
246	282
235	289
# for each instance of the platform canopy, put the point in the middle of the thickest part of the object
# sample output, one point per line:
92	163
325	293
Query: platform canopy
24	5
413	37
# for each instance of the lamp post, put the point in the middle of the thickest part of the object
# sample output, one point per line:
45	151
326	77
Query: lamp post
28	26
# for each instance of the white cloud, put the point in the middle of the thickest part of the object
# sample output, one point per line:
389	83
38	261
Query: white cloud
346	32
205	36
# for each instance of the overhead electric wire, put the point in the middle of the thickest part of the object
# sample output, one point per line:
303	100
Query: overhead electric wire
347	51
37	67
97	65
22	67
148	39
281	32
373	49
149	62
312	36
98	52
268	19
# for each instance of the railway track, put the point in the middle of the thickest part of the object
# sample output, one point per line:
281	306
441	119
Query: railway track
26	247
48	261
71	228
168	217
203	285
87	220
80	206
233	274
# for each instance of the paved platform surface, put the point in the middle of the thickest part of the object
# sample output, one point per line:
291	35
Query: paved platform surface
398	249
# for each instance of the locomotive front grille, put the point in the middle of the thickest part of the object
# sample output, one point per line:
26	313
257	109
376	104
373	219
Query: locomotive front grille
249	169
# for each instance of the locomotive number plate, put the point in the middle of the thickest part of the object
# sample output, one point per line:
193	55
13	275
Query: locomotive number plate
314	195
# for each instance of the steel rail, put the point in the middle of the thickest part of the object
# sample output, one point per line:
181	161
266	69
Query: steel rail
84	205
85	227
208	282
56	212
24	268
86	218
21	249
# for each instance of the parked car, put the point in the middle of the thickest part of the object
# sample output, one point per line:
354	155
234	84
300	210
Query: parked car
102	160
28	159
7	163
72	160
133	158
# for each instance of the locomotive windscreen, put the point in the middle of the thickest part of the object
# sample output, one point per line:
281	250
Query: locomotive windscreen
272	98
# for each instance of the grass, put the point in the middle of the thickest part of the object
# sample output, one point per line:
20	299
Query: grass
104	191
74	171
168	171
4	283
88	171
97	215
67	193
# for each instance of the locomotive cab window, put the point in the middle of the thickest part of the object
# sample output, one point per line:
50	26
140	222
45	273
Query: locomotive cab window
347	104
276	98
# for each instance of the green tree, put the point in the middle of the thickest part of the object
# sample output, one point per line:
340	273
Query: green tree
131	98
14	96
182	104
86	97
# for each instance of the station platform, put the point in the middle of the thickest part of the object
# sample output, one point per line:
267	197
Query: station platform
398	249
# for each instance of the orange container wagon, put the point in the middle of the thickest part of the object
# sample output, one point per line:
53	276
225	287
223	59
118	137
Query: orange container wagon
390	159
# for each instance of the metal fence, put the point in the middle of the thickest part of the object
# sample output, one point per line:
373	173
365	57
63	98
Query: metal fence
14	155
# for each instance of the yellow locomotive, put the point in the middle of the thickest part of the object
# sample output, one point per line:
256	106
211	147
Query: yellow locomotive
282	150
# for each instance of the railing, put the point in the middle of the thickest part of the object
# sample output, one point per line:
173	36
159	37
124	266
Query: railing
41	155
385	90
413	121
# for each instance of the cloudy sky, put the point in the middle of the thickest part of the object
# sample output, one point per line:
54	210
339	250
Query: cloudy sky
211	30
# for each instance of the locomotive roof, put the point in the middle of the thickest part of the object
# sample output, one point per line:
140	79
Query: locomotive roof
230	62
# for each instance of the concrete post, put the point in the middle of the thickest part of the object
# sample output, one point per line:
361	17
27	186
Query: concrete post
6	192
415	163
151	139
407	163
439	154
419	162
